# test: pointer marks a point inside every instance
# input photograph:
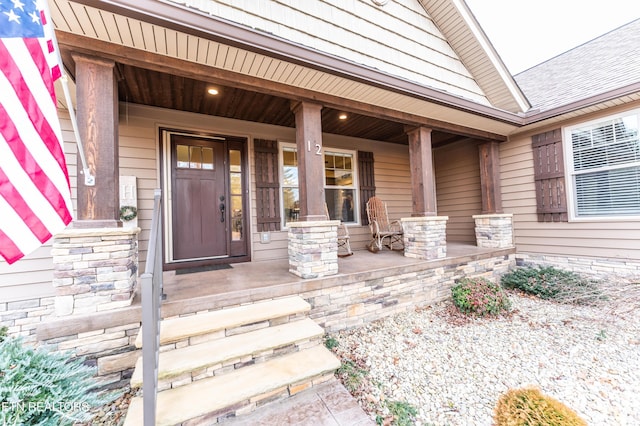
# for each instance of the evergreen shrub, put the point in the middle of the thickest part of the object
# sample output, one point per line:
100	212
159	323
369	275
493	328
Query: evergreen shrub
41	387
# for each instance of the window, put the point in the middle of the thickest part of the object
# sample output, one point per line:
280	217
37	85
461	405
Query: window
603	163
290	192
341	195
340	185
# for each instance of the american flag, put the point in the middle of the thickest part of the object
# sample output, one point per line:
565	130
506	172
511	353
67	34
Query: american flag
35	199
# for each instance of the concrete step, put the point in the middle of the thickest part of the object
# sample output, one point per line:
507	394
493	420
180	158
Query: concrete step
206	400
216	324
184	365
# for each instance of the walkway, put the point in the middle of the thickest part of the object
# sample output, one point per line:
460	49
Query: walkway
328	404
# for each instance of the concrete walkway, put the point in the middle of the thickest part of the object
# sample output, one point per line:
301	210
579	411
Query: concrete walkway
327	404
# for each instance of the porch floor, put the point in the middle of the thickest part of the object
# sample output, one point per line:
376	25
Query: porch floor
251	281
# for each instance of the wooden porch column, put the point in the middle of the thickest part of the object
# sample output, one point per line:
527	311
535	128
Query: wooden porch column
97	100
490	177
310	161
423	188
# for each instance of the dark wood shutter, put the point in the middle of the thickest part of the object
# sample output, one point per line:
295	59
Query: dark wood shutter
267	185
367	182
549	176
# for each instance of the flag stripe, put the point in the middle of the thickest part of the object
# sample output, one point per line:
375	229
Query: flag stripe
10	252
17	202
11	70
28	163
35	50
35	197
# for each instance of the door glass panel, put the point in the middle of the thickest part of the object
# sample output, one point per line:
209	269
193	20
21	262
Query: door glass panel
235	160
182	154
236	217
195	157
235	182
207	159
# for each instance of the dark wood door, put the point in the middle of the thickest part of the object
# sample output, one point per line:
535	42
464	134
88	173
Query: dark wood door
198	198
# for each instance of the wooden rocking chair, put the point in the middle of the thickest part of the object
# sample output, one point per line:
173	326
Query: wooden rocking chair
384	233
344	246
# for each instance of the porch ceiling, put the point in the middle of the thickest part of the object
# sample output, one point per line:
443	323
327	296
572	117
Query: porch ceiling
139	86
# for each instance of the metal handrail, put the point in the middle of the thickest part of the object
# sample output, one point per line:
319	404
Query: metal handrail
151	284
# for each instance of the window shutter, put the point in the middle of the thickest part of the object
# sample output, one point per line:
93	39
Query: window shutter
549	176
267	185
367	182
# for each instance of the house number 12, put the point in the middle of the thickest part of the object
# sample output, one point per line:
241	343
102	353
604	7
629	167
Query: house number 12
317	146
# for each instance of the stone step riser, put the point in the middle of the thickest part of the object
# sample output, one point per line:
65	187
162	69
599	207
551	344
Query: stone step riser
221	334
236	363
237	319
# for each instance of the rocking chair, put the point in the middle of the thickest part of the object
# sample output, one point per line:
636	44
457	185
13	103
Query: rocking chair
384	233
343	237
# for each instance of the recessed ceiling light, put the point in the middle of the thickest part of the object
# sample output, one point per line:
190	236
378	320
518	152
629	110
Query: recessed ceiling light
213	91
342	116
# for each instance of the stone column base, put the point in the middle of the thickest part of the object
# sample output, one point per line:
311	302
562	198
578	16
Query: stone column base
313	248
94	269
425	237
494	230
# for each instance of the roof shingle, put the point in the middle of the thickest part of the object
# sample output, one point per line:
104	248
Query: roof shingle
608	62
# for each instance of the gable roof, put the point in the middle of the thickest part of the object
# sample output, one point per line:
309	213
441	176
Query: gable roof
461	29
606	63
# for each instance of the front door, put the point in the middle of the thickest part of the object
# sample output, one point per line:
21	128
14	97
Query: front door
199	198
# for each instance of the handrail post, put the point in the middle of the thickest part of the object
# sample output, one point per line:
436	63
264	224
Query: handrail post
151	295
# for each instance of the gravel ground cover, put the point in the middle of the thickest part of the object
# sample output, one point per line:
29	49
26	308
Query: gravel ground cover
453	368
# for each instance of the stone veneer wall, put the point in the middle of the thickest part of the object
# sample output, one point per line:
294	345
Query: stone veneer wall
22	317
313	248
94	269
597	267
361	301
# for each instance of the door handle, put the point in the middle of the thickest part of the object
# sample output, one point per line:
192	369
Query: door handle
222	208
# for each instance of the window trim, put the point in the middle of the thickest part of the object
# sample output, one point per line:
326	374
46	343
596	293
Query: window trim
356	186
570	172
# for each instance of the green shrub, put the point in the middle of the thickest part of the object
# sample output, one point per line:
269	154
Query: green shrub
351	375
548	282
479	296
331	342
529	407
3	333
404	414
39	387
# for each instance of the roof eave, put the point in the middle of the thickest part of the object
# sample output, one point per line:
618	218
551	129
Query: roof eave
493	56
534	116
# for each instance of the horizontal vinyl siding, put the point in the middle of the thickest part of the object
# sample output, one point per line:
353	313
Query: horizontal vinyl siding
400	38
31	277
605	239
458	189
138	152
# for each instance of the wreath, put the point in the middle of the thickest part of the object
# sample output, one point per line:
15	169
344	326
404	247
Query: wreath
128	213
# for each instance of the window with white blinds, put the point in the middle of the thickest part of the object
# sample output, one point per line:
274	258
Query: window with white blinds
604	167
